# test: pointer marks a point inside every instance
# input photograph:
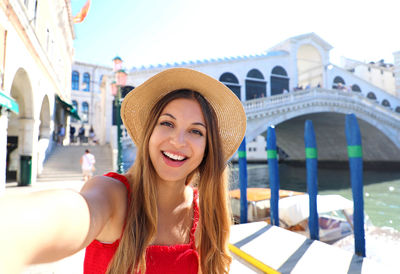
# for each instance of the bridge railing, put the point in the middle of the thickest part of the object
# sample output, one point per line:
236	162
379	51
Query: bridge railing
256	105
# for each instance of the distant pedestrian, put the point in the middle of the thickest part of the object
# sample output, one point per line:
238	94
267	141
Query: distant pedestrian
87	164
61	134
72	134
92	136
81	134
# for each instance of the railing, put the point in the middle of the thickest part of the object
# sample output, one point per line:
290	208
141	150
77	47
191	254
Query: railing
337	98
255	105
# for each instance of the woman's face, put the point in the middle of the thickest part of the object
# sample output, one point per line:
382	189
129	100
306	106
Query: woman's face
178	141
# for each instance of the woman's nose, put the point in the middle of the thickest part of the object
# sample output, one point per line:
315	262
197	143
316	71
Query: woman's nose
178	139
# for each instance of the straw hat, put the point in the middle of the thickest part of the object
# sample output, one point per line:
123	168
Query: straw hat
231	117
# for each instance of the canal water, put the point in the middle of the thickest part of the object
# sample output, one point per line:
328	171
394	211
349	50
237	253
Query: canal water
381	188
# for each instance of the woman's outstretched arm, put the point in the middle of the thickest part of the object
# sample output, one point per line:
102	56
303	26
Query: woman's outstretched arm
49	225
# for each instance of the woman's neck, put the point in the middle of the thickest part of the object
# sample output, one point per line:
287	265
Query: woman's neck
171	195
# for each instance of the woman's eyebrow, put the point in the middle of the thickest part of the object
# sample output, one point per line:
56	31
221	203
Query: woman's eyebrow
172	116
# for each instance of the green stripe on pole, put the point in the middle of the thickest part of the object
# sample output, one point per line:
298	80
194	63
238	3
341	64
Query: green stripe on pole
354	151
311	153
271	154
242	154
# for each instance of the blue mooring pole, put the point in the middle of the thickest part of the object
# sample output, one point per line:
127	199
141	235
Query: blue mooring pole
354	150
312	178
273	175
243	181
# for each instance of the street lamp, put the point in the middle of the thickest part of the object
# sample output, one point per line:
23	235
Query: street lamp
116	87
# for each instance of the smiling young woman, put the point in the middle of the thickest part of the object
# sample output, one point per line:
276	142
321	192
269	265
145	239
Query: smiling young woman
169	213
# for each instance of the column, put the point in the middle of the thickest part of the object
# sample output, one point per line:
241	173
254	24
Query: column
3	146
27	144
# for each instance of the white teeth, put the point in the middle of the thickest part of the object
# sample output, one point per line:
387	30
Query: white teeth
173	156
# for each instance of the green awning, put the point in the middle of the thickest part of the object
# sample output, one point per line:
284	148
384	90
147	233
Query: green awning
68	108
8	103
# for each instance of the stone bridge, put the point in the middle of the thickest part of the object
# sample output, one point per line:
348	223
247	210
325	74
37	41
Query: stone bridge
379	125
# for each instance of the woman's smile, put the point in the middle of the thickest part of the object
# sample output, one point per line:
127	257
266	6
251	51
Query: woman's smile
174	160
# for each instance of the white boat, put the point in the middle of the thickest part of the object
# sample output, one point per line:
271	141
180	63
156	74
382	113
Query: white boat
334	211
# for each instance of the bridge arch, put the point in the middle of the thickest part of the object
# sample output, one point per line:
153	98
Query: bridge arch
371	95
279	80
232	82
309	66
256	86
382	122
338	82
355	88
385	103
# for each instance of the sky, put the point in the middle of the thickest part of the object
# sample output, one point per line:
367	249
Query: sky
152	32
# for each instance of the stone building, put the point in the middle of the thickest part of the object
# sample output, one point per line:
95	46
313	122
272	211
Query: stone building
36	51
380	74
89	99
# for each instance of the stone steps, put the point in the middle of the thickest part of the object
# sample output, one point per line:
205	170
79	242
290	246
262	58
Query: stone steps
63	163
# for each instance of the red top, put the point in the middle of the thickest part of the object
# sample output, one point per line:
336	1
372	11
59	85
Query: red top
181	258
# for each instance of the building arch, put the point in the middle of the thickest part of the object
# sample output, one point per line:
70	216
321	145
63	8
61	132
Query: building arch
255	73
355	88
21	91
338	83
232	82
371	95
385	103
309	66
397	109
44	133
256	86
279	80
22	127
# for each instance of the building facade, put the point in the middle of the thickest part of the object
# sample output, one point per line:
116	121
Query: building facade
379	73
36	51
89	99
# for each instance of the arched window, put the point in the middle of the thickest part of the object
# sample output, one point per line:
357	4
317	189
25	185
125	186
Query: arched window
385	103
85	112
397	109
75	105
86	82
230	80
75	80
371	95
279	80
256	86
355	88
255	73
278	70
338	83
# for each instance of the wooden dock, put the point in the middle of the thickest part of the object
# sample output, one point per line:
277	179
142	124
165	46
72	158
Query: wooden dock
269	249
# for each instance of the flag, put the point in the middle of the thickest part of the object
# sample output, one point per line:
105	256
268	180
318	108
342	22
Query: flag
82	14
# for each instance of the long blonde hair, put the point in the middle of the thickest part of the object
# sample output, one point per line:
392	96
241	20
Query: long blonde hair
142	216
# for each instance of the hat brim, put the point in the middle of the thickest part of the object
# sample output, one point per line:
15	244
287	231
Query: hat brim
138	103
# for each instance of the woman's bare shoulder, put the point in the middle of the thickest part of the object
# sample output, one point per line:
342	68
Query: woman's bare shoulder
107	199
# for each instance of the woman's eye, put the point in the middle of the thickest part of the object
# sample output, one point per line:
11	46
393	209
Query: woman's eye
198	132
165	123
